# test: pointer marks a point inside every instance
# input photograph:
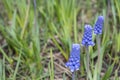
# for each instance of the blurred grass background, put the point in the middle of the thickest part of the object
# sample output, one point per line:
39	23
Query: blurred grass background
35	41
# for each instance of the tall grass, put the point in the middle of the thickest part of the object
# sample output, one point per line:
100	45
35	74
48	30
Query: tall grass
60	17
27	30
22	36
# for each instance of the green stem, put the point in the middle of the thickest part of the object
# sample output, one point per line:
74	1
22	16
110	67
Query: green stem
73	76
87	61
98	61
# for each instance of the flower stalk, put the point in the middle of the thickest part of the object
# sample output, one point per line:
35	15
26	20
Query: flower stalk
87	41
73	75
87	61
98	31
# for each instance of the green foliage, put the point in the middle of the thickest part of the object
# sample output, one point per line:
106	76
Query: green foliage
60	17
27	36
108	72
22	36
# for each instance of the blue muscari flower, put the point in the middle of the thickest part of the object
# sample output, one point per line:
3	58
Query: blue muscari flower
99	25
87	36
74	60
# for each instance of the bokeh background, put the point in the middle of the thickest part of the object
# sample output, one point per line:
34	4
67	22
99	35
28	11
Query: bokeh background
36	38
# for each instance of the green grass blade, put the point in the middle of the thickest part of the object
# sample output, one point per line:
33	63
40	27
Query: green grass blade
17	67
108	72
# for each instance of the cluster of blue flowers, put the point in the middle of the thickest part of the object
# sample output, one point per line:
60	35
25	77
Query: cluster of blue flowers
87	36
74	60
99	25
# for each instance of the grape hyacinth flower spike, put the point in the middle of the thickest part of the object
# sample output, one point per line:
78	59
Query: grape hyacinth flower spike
87	36
74	60
99	25
98	30
87	41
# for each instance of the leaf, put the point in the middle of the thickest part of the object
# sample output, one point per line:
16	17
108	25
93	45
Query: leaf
108	72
